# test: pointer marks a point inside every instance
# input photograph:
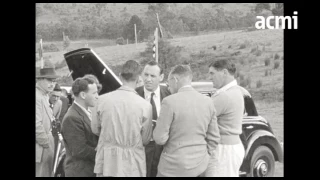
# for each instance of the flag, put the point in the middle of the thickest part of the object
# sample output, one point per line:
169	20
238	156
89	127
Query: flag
159	27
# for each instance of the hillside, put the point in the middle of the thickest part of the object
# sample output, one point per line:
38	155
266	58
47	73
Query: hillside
53	12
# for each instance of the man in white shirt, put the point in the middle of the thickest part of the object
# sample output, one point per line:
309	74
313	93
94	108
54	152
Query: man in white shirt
151	91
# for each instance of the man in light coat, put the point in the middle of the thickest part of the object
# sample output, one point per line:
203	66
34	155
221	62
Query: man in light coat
187	127
44	116
123	120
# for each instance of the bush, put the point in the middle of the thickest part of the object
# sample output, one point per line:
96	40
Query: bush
242	46
258	53
276	65
253	50
50	48
237	74
229	47
267	62
243	83
120	41
266	72
243	61
60	64
252	60
241	77
259	83
276	56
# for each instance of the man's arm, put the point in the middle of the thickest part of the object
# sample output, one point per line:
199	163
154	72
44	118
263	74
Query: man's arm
41	135
73	133
161	132
146	131
213	134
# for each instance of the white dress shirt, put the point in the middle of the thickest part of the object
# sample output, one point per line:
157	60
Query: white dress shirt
156	98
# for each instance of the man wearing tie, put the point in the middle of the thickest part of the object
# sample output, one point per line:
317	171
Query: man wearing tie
154	93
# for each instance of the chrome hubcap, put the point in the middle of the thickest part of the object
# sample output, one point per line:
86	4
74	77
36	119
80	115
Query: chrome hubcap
261	168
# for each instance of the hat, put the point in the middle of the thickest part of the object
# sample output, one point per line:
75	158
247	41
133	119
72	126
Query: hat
57	88
48	73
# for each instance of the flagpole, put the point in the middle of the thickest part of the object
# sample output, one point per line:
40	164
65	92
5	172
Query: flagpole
135	33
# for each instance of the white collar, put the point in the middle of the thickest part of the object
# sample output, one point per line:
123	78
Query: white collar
147	93
226	87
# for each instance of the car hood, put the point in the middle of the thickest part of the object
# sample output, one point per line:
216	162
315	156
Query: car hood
85	61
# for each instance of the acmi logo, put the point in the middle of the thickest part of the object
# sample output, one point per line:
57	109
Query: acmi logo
263	22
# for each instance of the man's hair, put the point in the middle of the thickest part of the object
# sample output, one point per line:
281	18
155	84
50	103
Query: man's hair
130	70
224	64
182	71
81	84
93	77
154	63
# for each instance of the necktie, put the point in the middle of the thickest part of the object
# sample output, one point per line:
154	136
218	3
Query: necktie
154	110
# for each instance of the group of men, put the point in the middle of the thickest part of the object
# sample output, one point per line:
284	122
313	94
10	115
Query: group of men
149	130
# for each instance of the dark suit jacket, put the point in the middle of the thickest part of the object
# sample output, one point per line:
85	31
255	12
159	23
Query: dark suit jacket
164	92
80	143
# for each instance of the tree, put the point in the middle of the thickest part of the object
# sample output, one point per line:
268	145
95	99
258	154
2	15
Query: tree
169	55
129	32
278	10
261	6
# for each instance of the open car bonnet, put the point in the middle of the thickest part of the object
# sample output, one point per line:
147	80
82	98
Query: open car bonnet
85	61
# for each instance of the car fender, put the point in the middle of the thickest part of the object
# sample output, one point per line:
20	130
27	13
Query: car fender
266	138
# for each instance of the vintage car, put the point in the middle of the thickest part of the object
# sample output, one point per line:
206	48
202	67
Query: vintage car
262	149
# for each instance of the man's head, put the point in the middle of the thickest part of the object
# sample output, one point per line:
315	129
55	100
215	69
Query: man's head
64	93
221	72
85	91
130	72
152	75
46	79
179	76
54	95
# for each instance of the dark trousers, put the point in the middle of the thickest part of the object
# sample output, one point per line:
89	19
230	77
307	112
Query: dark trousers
153	153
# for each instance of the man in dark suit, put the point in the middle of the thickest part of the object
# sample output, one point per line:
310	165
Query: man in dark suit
152	75
79	141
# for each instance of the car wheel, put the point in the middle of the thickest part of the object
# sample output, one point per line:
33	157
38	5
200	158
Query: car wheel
262	163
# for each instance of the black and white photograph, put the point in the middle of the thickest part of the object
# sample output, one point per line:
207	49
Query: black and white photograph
160	89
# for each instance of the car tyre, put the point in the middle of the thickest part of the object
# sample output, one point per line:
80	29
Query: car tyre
262	163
